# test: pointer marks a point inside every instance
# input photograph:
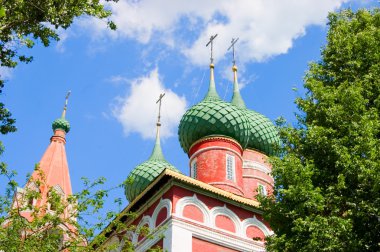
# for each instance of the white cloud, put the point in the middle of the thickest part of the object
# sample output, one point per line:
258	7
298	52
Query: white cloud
63	36
266	28
5	73
138	111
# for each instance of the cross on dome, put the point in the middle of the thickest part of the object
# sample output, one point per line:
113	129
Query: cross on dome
233	42
211	42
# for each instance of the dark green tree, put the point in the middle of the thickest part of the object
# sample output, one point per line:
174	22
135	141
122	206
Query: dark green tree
327	178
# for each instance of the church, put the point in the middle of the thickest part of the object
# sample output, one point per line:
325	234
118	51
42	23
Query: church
211	209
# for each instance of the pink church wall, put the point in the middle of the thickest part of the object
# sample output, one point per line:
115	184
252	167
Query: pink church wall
193	212
223	222
205	246
253	177
255	232
210	154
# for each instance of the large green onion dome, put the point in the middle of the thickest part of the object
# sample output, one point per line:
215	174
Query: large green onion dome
144	174
212	116
263	134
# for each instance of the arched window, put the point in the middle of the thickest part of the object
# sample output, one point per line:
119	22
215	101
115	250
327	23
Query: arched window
193	170
262	189
230	167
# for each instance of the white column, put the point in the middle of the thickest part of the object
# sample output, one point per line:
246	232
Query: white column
177	239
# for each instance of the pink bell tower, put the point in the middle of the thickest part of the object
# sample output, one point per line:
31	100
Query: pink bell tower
52	174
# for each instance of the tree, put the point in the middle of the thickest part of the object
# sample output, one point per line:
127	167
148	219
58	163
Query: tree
327	178
61	224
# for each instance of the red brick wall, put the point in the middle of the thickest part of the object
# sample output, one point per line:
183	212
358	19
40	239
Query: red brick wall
161	216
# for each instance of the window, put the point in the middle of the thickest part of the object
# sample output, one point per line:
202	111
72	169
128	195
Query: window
262	189
193	171
30	203
230	167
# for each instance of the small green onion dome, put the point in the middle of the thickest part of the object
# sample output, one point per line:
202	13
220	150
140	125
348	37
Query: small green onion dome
212	116
144	174
263	135
61	123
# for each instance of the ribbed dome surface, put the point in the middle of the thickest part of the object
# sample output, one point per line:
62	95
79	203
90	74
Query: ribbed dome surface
213	117
143	175
263	134
62	124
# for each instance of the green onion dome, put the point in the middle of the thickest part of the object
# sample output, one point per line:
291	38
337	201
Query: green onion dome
144	174
61	123
212	116
263	135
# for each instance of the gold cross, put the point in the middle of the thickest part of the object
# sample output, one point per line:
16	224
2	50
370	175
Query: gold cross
65	107
159	108
212	44
233	42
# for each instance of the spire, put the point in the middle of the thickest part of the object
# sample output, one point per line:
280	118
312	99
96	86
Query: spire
212	93
61	123
53	163
65	106
237	100
53	169
157	151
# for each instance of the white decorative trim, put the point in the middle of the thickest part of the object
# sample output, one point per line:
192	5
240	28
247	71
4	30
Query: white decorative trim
257	223
180	206
58	189
146	219
259	178
249	164
146	244
228	213
33	186
244	244
215	148
164	203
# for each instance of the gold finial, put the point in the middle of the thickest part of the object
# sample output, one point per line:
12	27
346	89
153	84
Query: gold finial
65	106
233	42
212	45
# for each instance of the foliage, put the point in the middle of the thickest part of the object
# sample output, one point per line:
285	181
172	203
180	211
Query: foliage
60	223
24	22
327	177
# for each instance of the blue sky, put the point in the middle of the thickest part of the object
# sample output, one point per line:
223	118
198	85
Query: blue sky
116	77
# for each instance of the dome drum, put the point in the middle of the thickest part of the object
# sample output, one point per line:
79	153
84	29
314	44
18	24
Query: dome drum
217	161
